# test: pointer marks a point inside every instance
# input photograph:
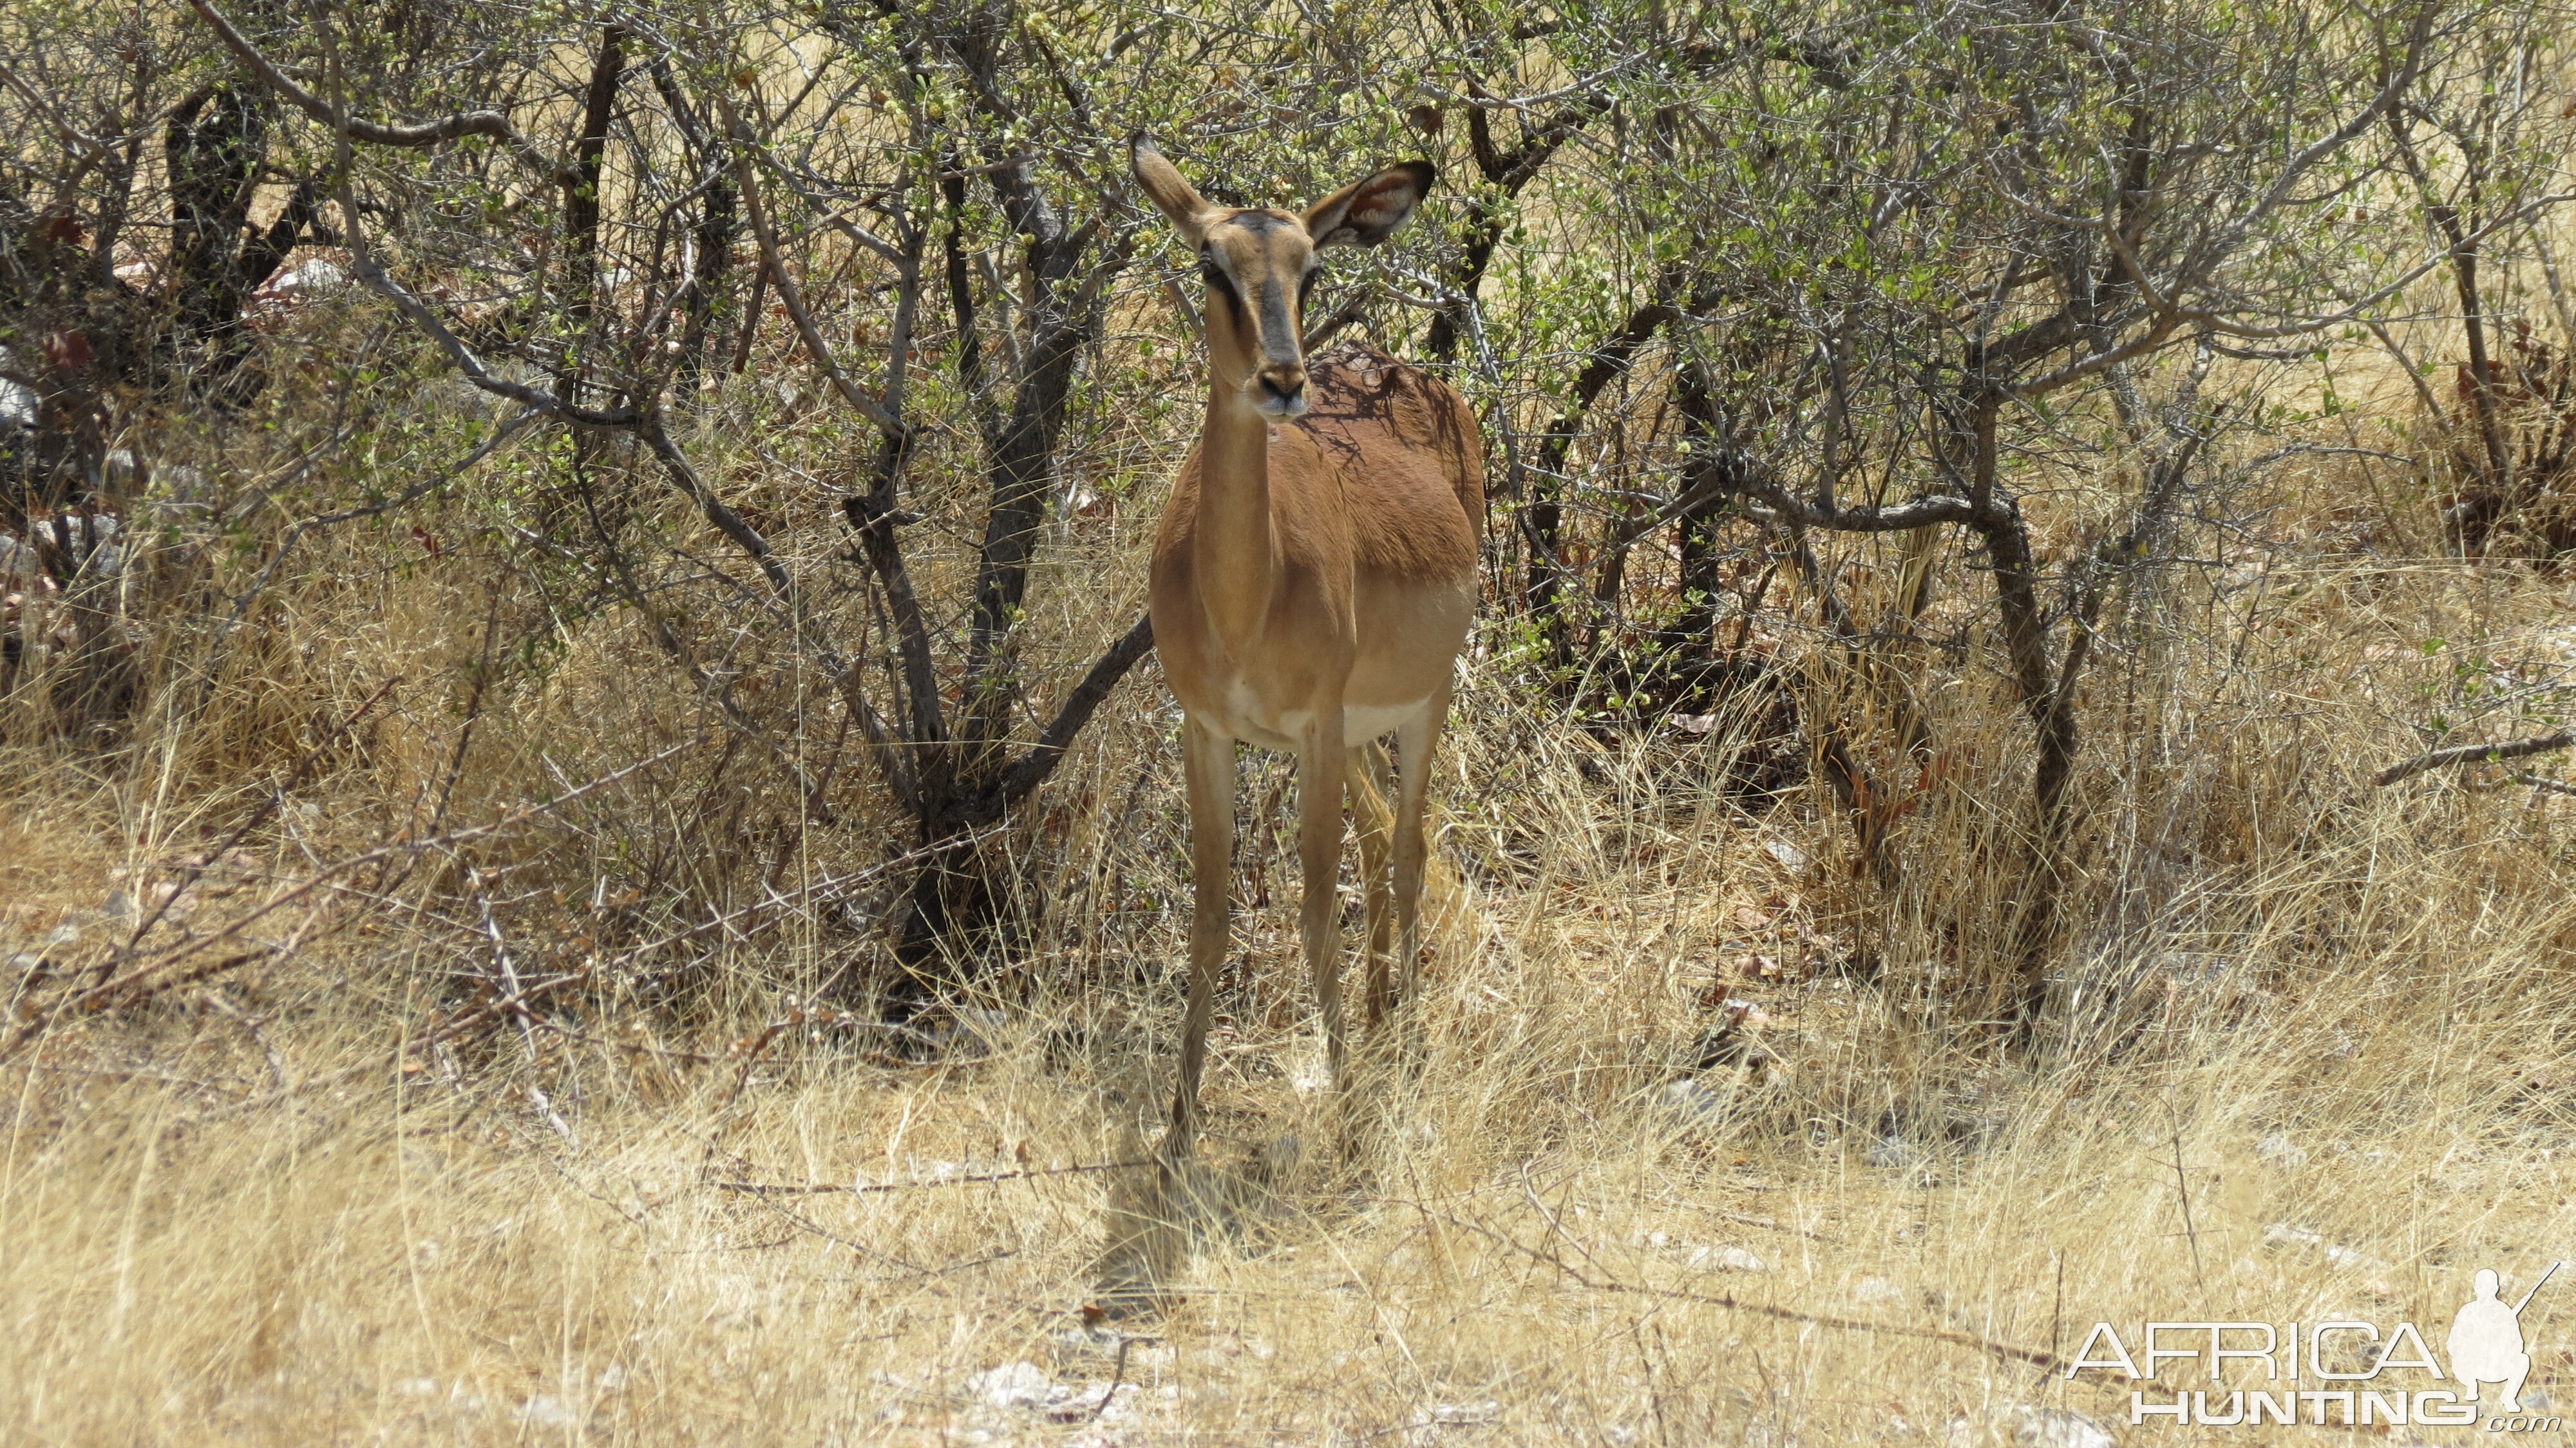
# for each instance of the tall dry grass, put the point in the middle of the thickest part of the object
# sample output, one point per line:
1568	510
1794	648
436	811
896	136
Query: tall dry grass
1692	1085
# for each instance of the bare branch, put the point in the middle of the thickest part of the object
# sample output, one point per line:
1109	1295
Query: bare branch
2473	754
362	261
748	182
1031	769
426	133
2419	34
1786	507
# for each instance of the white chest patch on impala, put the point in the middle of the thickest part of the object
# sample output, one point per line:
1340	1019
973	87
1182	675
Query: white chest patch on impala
1361	722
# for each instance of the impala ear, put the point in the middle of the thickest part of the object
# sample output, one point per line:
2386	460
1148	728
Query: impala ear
1363	214
1175	197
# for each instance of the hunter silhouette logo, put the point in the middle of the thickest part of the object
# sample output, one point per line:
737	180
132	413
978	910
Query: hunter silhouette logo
2486	1340
2360	1372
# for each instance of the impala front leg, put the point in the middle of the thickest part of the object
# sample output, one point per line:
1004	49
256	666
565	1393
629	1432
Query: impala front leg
1319	851
1208	760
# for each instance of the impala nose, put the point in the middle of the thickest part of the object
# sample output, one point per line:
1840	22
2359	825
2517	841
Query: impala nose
1281	390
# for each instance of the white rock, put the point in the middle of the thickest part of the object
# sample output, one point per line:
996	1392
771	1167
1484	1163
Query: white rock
1012	1385
308	277
1728	1259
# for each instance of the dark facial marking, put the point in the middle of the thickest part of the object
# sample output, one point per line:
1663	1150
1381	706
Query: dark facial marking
1219	282
1278	334
1223	286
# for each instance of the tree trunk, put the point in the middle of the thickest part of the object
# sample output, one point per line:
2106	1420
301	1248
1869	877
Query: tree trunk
581	210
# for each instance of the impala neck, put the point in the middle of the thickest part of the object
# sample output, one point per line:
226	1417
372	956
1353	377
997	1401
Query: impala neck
1238	554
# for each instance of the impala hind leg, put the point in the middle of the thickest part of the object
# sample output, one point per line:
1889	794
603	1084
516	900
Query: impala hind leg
1208	760
1418	741
1373	816
1319	854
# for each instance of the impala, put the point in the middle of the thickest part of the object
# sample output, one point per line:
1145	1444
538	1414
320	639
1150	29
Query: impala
1312	583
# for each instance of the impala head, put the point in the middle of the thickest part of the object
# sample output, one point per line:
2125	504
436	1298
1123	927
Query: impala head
1260	263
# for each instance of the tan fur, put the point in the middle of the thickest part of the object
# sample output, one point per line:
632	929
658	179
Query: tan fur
1312	582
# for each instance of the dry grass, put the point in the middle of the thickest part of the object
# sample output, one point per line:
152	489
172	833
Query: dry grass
2311	1060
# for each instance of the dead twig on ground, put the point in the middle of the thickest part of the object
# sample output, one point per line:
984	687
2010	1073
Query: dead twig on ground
1597	1281
794	1189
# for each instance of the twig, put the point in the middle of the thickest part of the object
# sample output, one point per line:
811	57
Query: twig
2474	753
837	1240
747	183
1759	1309
1117	1378
1769	1224
793	1189
2182	1188
506	967
2057	1309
